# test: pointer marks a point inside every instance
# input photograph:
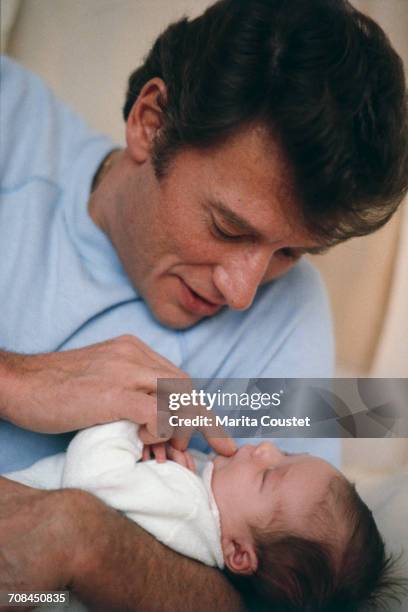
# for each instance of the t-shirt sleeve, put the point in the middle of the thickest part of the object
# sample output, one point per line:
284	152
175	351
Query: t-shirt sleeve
34	125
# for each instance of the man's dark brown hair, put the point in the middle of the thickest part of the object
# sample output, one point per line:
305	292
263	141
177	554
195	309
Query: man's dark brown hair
321	76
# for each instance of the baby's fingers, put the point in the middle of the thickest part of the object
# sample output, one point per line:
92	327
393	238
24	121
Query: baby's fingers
159	452
176	456
180	457
146	452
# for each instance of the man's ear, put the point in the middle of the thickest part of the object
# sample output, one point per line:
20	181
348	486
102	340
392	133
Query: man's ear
240	557
145	119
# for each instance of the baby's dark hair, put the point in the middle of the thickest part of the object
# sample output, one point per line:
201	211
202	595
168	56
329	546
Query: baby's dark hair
297	574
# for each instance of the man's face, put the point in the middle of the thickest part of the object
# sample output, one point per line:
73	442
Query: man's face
221	222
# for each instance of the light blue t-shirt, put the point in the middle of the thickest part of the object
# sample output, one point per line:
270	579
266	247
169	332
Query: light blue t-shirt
62	285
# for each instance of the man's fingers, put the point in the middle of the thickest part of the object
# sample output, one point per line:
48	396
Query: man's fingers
133	348
180	443
219	439
139	407
223	446
216	436
149	438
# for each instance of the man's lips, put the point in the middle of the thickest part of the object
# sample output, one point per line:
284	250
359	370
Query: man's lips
195	303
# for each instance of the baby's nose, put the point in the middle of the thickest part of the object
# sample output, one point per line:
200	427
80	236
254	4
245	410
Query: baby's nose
268	453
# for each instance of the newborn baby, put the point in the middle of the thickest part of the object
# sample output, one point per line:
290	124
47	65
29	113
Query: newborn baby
290	529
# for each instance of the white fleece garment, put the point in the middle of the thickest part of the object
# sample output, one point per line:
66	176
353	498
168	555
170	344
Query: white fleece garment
167	500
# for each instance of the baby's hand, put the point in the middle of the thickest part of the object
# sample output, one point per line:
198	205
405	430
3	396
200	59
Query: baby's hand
157	450
163	451
183	458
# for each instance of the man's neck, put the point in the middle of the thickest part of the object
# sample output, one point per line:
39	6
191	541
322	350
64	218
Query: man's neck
103	169
99	179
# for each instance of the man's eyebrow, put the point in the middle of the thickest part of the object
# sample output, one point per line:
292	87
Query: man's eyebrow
231	217
318	250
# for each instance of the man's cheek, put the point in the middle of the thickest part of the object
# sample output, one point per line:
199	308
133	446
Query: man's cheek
194	250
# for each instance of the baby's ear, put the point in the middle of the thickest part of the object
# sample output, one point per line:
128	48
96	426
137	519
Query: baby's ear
240	557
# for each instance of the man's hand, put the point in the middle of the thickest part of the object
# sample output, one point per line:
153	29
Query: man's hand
101	383
57	392
53	540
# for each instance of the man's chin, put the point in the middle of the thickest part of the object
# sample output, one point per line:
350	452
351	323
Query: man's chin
174	317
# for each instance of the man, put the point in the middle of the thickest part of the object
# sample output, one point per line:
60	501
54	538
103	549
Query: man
254	134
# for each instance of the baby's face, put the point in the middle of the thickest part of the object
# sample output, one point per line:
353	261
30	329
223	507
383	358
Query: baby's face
261	484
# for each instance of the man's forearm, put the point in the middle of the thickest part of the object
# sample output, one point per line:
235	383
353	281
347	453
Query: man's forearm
121	567
7	381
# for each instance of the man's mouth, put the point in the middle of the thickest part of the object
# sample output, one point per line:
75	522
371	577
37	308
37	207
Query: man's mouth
195	303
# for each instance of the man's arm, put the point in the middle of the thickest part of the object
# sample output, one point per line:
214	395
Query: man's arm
107	561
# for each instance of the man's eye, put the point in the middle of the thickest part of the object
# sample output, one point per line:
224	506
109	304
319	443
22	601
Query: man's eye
220	233
288	254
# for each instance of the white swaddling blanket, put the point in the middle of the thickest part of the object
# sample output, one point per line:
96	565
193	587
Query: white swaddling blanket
167	500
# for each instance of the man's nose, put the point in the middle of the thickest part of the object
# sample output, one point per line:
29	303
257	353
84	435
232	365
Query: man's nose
240	275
